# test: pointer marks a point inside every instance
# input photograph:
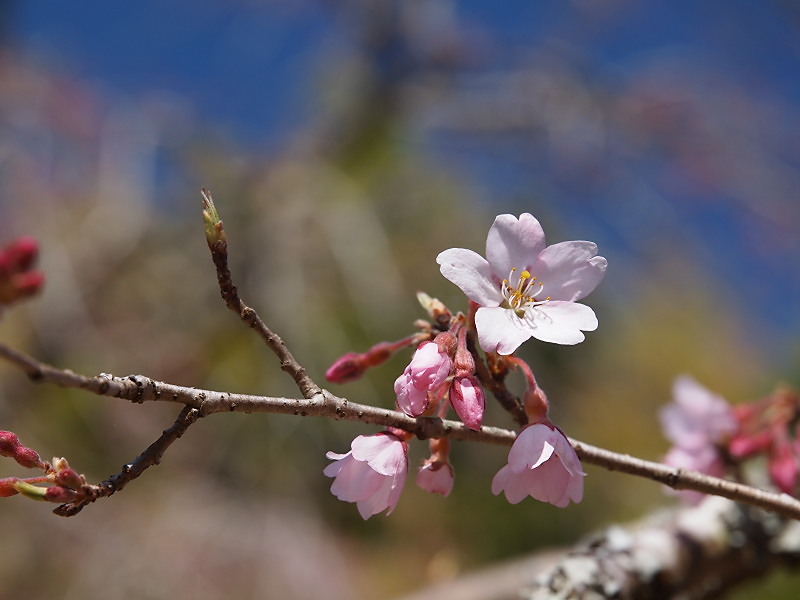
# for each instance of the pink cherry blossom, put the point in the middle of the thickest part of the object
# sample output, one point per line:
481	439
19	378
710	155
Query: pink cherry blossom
468	400
525	288
428	369
541	464
372	474
696	422
436	477
696	418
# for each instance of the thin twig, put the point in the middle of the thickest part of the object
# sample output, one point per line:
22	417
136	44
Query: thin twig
137	388
218	245
150	457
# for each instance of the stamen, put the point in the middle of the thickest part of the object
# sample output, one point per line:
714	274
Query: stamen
519	297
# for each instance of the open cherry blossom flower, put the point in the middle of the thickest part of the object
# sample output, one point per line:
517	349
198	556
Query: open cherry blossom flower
525	288
372	474
541	464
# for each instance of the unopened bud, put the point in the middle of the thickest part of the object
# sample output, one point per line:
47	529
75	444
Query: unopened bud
69	478
9	442
349	367
28	458
7	487
59	494
211	221
435	308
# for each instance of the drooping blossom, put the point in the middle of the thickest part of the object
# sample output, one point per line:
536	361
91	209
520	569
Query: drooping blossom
541	464
371	474
525	288
428	369
436	477
436	473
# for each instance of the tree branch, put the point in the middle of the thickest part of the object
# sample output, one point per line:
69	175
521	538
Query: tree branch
692	553
139	389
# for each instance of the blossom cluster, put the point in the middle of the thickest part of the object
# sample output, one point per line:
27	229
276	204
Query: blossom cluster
522	289
711	436
61	482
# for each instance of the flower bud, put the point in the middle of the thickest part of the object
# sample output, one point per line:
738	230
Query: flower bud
69	478
7	487
349	367
468	400
28	458
59	494
9	442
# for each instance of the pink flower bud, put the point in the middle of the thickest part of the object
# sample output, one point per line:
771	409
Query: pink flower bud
468	400
349	367
428	370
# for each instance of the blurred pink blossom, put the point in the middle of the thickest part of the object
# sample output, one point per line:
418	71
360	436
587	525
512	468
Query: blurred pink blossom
372	474
523	287
541	464
696	418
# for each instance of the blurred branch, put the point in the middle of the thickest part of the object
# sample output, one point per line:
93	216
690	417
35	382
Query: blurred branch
139	389
691	553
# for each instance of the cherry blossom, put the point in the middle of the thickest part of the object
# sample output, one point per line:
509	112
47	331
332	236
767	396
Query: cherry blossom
525	288
696	418
372	474
436	477
541	464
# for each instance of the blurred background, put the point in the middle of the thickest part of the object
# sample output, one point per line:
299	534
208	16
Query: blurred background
346	144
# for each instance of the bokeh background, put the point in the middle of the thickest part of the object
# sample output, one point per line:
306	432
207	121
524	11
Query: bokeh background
346	144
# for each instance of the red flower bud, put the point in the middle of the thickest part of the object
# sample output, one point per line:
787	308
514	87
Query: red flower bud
59	494
349	367
7	487
28	458
9	442
69	478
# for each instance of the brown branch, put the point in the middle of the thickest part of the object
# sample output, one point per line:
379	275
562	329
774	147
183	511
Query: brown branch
218	245
137	388
149	458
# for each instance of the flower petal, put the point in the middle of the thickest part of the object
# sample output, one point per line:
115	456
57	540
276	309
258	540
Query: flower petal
560	322
569	270
499	330
513	242
511	483
534	445
470	272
